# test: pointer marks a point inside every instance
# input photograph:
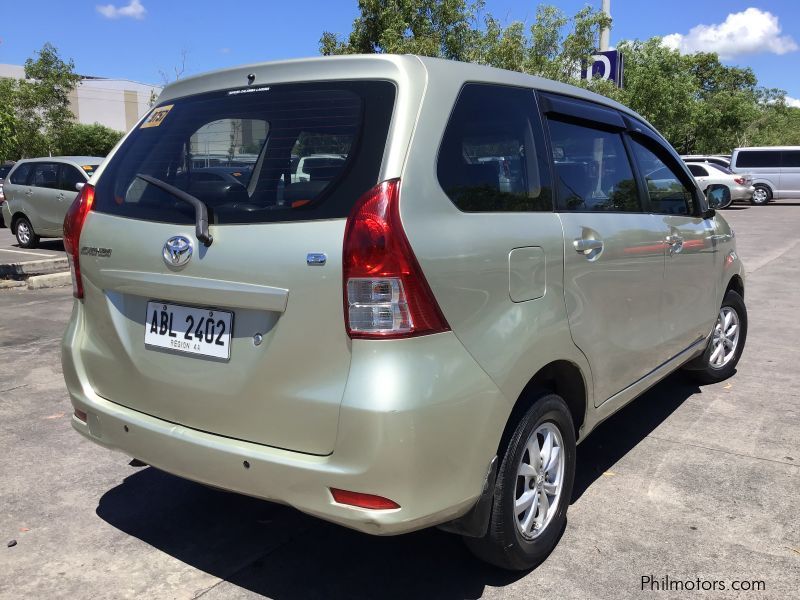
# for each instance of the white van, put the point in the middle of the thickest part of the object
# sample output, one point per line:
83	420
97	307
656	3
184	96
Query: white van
775	170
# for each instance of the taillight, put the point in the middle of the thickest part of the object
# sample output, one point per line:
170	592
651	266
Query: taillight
73	224
739	180
363	500
385	293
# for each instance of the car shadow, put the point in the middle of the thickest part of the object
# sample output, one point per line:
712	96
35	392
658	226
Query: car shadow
621	432
56	245
276	551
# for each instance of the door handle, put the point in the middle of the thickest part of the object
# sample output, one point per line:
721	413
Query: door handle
584	246
61	196
675	243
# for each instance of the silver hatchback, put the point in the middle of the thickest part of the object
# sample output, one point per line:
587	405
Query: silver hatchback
414	335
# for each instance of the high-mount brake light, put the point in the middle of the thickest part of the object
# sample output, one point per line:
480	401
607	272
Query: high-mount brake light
386	295
73	224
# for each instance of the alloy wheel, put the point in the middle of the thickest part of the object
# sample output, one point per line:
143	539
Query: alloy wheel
23	233
540	477
725	339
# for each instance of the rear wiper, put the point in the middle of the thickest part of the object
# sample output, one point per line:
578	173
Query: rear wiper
200	209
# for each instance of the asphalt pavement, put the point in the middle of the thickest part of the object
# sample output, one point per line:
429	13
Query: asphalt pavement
10	252
689	483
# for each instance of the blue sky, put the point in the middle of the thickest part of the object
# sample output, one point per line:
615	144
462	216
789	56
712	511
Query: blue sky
149	36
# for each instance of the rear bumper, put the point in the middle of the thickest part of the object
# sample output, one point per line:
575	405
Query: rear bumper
419	424
742	193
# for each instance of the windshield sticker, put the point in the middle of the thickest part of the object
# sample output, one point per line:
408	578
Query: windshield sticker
157	117
248	91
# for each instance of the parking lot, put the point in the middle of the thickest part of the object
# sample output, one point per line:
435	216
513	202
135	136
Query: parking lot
687	482
10	252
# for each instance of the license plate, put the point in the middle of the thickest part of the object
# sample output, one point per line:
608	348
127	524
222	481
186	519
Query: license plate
190	330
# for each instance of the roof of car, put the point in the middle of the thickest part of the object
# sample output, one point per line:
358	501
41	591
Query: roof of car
424	69
767	148
77	160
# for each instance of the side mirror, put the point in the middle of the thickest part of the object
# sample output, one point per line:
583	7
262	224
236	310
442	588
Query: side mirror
718	196
79	186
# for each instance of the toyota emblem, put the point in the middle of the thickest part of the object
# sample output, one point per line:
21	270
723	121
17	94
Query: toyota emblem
177	251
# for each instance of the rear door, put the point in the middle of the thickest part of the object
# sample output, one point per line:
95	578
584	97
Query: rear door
68	177
689	296
790	174
613	249
45	199
243	338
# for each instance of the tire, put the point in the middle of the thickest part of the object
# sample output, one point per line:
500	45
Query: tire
711	367
505	545
26	237
762	195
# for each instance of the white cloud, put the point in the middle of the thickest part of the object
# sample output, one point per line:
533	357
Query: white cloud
134	10
751	31
793	102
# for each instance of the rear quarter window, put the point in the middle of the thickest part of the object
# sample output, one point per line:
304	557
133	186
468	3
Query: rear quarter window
20	175
238	151
492	157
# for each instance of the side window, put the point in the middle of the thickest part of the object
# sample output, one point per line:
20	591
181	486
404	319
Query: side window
592	169
667	194
20	174
45	175
758	159
791	158
492	156
69	177
698	171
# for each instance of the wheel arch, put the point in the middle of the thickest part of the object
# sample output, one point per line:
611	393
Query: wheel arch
562	377
736	283
15	219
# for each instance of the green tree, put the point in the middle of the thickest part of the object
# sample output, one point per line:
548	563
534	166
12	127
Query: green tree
554	46
88	140
8	120
696	102
444	28
43	105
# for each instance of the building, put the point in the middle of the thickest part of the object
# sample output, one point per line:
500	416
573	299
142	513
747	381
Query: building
115	103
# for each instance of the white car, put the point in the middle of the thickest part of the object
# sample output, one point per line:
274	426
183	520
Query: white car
739	184
318	166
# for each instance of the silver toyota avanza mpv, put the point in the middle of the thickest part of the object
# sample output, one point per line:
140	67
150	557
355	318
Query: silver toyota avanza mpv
415	335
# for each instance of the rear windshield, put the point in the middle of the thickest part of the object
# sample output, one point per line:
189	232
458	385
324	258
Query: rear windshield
4	171
256	155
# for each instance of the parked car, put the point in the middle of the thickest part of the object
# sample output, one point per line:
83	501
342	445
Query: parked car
4	169
775	170
740	184
39	191
723	160
406	344
321	167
